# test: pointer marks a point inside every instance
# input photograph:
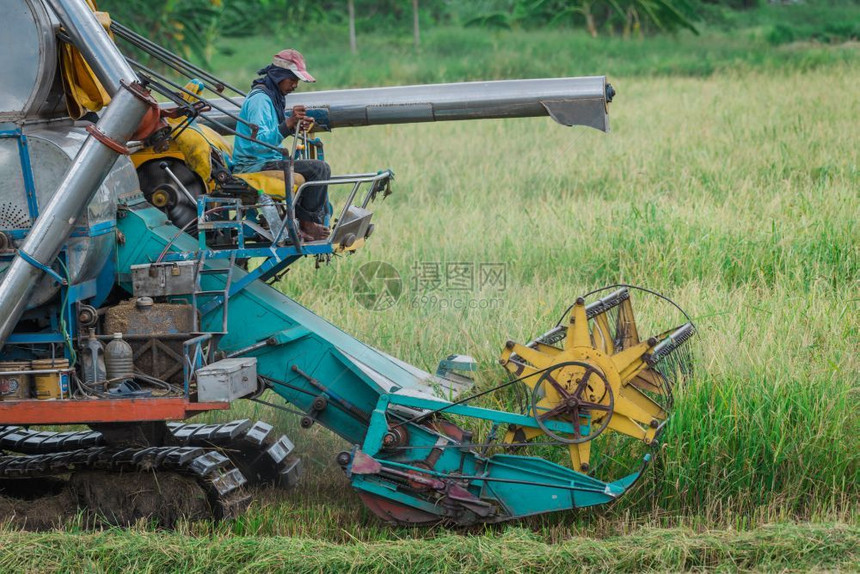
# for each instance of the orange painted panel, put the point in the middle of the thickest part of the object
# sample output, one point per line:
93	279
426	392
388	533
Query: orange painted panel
35	412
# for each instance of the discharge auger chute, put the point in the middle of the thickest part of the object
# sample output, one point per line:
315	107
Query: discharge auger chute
568	101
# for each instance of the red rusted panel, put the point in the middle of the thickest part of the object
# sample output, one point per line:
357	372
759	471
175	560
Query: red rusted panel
396	513
35	412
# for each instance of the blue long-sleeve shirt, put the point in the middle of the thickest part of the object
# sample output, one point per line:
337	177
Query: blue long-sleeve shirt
250	156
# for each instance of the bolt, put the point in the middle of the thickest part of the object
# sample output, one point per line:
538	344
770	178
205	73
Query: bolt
306	422
652	341
655	423
510	344
343	458
580	301
85	316
584	467
319	404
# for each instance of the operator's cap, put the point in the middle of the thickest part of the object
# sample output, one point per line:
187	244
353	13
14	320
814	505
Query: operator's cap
293	61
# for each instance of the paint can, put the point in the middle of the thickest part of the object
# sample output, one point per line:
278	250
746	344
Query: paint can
15	386
51	386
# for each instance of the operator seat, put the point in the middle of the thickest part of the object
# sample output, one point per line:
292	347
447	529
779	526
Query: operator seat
270	182
205	151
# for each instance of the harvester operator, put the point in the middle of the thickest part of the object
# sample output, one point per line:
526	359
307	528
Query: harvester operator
265	107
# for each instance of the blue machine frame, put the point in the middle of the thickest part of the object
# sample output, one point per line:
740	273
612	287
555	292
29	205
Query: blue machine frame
368	393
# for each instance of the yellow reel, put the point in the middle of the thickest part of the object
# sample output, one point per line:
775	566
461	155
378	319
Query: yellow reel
595	374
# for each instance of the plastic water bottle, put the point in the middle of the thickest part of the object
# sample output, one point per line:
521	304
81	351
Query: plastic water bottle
94	360
119	359
270	212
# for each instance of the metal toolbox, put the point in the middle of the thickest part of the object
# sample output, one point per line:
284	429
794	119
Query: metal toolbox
163	279
227	380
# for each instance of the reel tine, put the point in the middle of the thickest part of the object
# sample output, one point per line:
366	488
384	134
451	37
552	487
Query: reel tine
652	381
626	333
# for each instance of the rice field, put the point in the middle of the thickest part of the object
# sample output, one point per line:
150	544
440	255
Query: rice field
743	210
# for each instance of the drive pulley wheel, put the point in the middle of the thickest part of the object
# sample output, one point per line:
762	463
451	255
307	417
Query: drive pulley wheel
583	393
162	191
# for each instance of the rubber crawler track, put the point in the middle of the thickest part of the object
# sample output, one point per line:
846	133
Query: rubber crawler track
261	455
25	441
213	471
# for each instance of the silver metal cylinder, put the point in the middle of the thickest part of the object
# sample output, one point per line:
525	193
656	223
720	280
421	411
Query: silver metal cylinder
52	149
89	169
28	60
569	101
90	38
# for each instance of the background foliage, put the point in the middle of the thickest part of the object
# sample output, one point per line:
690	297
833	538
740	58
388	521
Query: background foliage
193	27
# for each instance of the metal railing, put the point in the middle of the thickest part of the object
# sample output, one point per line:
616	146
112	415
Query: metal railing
194	357
236	212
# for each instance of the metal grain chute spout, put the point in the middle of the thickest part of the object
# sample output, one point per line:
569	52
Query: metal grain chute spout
569	101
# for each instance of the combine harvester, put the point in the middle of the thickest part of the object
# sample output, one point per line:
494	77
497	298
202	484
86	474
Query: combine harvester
127	305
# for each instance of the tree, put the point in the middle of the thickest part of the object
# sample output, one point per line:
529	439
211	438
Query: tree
416	33
661	14
352	44
188	28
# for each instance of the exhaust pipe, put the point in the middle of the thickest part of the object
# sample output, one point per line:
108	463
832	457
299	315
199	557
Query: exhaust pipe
89	169
569	101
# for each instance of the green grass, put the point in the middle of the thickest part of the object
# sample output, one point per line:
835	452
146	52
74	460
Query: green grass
776	548
742	211
734	193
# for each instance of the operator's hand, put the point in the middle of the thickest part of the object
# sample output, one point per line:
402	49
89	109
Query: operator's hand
299	118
